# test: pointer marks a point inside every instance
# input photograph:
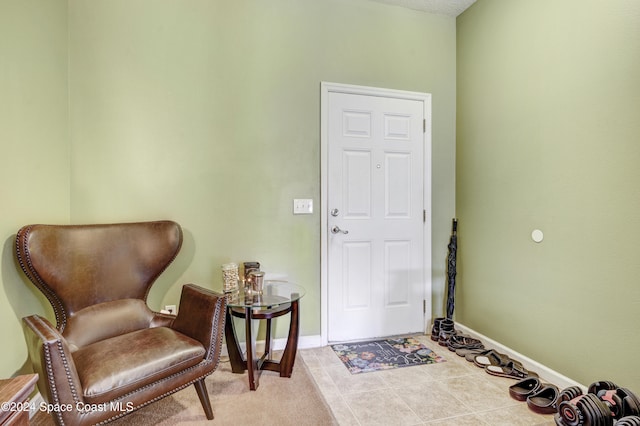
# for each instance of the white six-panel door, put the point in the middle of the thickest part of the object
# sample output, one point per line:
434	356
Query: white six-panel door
375	216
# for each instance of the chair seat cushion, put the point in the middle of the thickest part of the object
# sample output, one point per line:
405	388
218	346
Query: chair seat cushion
113	367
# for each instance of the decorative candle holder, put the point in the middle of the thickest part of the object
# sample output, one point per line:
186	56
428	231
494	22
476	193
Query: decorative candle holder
230	277
257	281
250	266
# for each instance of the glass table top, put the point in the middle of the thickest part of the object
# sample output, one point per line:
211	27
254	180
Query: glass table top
274	294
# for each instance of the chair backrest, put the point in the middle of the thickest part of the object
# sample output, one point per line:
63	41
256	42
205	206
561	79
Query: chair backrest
79	266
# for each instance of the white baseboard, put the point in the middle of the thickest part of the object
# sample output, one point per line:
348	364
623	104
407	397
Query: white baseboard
543	371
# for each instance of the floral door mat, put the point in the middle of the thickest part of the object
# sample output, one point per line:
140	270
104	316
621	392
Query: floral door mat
375	355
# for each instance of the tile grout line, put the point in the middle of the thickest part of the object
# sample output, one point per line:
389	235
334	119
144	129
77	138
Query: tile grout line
340	395
324	365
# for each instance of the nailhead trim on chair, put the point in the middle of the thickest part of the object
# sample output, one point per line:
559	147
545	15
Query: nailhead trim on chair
56	303
52	386
157	398
217	314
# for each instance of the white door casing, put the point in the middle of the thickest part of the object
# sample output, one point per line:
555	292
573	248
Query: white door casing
376	186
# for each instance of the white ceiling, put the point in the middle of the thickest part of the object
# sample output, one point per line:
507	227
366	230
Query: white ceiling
442	7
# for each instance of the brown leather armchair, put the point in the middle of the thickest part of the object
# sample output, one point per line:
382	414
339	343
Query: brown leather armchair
109	354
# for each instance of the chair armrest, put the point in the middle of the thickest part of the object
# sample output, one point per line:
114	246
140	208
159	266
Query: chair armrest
48	348
201	316
162	320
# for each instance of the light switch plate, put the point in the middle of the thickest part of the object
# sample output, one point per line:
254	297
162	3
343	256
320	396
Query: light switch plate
302	206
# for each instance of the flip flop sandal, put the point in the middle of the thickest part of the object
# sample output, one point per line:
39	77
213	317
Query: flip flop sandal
455	347
445	336
492	358
545	400
463	339
524	388
471	356
474	352
463	342
511	371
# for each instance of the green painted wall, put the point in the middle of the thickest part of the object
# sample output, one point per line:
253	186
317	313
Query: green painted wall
548	137
205	112
34	160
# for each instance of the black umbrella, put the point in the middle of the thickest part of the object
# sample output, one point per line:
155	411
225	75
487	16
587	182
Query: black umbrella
451	269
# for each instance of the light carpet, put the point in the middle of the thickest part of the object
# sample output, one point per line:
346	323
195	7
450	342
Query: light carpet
277	401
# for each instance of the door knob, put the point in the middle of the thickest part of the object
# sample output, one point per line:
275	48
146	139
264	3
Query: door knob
337	230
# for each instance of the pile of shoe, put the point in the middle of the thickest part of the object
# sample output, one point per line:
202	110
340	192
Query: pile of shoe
444	332
473	350
604	403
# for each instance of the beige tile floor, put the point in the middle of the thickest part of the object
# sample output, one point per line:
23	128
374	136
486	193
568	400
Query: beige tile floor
451	393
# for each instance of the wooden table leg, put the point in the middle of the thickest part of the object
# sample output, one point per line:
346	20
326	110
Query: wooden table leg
236	359
267	341
289	354
252	360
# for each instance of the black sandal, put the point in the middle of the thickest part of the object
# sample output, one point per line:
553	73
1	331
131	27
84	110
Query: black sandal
545	401
460	341
524	388
513	370
492	357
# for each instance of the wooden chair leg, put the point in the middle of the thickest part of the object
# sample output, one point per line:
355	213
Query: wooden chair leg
201	388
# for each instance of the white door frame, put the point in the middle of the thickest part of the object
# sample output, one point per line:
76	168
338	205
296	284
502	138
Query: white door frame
425	98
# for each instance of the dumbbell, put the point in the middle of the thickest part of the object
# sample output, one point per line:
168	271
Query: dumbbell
621	401
576	409
603	403
629	421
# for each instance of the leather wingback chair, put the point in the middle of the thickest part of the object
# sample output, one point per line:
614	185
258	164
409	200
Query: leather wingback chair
109	354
